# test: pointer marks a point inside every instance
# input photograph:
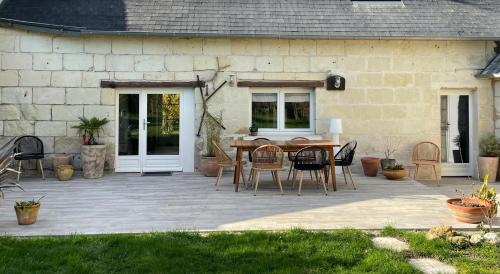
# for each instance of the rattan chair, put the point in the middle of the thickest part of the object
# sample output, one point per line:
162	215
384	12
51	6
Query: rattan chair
267	158
426	154
29	148
311	159
223	160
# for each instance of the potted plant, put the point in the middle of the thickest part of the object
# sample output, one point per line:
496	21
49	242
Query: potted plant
370	166
457	153
391	146
213	133
395	172
487	161
488	195
469	210
27	211
93	154
253	129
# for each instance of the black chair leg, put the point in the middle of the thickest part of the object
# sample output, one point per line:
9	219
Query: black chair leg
350	175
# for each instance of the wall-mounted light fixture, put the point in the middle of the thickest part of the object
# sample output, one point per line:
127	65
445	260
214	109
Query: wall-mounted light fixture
232	80
335	82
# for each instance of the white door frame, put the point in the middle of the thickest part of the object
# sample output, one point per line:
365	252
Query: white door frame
463	169
156	163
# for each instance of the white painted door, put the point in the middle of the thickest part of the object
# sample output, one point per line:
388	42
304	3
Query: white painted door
456	134
155	131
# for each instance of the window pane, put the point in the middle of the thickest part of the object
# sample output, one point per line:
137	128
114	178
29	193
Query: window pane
128	124
265	110
297	110
163	124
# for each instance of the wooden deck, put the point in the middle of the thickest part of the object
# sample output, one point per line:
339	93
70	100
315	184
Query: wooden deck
129	203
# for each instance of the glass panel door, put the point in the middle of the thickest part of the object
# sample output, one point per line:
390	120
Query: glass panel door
128	124
455	133
163	124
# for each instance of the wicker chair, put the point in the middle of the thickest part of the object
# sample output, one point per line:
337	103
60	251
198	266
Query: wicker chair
267	158
223	160
29	148
311	159
426	154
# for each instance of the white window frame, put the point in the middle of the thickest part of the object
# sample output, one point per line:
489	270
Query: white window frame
281	109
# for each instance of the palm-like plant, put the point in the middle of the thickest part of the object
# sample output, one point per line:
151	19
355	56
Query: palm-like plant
89	128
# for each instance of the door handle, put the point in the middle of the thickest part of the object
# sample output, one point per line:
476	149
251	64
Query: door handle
144	123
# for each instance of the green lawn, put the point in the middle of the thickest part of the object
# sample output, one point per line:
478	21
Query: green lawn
484	258
344	251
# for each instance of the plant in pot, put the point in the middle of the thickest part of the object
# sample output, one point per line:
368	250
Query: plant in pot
395	172
93	154
213	133
487	161
469	210
253	129
457	153
27	211
488	195
391	145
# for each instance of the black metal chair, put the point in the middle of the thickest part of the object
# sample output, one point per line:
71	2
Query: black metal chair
29	148
310	159
344	159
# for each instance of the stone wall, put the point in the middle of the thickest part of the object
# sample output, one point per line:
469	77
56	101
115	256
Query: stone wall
392	89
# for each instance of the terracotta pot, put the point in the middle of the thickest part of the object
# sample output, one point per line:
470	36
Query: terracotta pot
370	166
27	215
61	160
394	174
253	133
93	158
386	163
64	172
487	165
209	166
471	215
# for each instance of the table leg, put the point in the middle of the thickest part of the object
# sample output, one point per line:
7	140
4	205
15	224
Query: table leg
332	168
237	169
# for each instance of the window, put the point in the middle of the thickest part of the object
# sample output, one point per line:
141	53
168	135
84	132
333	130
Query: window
289	110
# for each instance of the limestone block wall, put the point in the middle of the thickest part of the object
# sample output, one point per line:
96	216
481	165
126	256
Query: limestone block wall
393	87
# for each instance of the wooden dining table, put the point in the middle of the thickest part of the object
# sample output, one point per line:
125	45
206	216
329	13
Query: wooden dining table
286	146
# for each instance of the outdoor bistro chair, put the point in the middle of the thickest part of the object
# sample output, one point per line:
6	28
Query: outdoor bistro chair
250	156
344	159
267	158
311	159
426	154
29	148
291	157
223	160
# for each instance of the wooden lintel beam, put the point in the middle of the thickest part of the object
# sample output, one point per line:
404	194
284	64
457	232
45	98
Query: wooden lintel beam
148	84
281	83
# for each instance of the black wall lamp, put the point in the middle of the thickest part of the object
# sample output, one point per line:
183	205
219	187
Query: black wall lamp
335	82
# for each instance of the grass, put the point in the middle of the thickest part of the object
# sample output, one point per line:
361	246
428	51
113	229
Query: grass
296	251
484	258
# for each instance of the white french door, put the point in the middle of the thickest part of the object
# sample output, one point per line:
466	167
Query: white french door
457	121
155	131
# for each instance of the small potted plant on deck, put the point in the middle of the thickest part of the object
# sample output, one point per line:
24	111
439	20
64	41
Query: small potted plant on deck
27	211
395	172
93	154
488	195
253	129
469	210
213	133
391	146
487	161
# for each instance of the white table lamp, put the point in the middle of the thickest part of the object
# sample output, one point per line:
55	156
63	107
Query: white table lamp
336	130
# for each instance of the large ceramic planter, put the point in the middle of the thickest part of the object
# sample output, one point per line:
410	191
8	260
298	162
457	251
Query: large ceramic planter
387	163
93	158
370	166
64	172
209	166
394	174
471	215
487	165
27	215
